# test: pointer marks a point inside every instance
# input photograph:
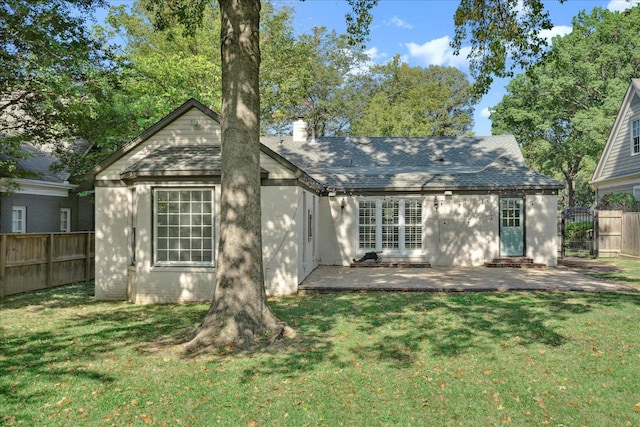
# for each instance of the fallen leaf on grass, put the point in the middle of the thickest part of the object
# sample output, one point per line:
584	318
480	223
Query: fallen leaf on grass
636	407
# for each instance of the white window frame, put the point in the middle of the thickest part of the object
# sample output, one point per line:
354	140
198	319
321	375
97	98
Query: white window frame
634	132
377	218
178	240
19	225
65	220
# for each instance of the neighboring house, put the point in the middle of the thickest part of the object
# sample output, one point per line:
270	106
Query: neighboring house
445	201
618	169
45	202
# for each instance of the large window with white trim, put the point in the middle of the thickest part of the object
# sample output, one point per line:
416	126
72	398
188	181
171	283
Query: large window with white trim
183	227
390	225
635	136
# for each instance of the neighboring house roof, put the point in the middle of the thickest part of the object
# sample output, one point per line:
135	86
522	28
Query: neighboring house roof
432	163
599	174
39	178
37	165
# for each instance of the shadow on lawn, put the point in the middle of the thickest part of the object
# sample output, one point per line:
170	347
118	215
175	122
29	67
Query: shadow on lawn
400	328
391	328
61	334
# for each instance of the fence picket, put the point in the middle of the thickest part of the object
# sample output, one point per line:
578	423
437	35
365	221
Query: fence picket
30	262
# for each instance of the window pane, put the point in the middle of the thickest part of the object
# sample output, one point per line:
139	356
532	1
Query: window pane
366	225
180	235
413	224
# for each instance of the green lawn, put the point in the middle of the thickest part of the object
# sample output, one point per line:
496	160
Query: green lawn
627	270
360	359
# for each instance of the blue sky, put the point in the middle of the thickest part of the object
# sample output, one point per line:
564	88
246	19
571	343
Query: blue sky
420	31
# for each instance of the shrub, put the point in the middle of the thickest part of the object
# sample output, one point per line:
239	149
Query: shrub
618	201
577	232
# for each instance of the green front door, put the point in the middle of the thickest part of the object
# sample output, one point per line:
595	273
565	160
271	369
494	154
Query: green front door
511	227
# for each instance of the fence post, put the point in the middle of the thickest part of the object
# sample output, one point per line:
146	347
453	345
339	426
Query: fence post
50	261
3	265
87	261
562	225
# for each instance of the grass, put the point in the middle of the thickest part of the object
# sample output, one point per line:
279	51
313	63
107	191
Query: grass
360	359
624	269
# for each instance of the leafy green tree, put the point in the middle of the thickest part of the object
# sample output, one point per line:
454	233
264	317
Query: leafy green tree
504	35
562	109
53	74
335	71
169	66
416	101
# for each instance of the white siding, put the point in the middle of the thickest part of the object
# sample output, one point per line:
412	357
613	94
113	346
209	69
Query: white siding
620	162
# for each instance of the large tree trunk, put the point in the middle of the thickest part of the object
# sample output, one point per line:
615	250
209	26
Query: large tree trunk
239	313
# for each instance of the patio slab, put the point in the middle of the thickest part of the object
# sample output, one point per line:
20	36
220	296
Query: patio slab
455	279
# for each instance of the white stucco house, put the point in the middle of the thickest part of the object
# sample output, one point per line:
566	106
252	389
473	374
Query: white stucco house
445	201
618	169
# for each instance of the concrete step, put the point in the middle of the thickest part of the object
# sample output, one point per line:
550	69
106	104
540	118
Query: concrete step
513	262
401	264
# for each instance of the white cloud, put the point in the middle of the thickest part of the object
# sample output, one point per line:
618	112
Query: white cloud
558	30
400	23
438	52
375	55
485	112
620	5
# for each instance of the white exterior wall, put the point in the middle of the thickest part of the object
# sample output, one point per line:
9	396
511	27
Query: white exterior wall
463	231
280	223
542	229
289	255
150	284
144	283
113	234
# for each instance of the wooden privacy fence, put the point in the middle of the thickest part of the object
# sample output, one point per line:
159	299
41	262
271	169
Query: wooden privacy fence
608	238
29	262
617	232
631	233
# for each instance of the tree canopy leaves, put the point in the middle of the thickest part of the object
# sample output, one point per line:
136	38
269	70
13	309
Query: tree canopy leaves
415	101
562	109
53	74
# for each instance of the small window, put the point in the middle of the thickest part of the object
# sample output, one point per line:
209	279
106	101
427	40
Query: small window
635	137
183	227
310	225
19	219
65	220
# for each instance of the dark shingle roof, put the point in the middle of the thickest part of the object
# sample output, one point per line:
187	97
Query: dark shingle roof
37	164
413	163
178	161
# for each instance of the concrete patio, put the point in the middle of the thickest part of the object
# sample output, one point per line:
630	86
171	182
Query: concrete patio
456	279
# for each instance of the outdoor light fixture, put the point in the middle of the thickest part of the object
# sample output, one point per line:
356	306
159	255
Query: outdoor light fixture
343	204
436	203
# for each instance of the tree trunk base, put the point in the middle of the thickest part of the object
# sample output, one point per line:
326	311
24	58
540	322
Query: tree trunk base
229	333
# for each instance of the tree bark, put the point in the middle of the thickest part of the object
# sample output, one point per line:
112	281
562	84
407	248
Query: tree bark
239	314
